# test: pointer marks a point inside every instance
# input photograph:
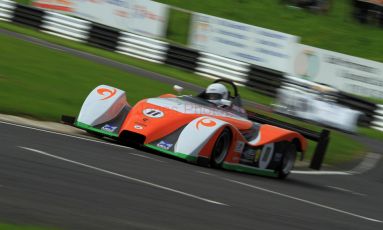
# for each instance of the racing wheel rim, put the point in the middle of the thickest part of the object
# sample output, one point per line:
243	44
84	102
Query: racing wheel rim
221	147
289	160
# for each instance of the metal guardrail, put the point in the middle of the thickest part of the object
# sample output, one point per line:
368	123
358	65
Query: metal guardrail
142	47
66	26
265	81
6	9
28	16
182	57
377	122
104	37
214	66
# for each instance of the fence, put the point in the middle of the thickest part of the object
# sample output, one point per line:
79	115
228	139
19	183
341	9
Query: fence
142	47
65	26
260	79
6	10
214	66
377	122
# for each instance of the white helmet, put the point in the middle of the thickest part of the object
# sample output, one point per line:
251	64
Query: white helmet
215	92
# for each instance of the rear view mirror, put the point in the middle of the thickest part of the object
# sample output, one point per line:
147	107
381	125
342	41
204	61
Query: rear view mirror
178	88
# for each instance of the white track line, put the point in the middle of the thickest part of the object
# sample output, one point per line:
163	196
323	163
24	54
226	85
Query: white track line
82	138
321	172
346	190
123	176
368	163
304	201
205	173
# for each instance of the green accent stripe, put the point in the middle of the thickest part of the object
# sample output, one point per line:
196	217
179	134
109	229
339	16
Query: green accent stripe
250	170
179	155
93	129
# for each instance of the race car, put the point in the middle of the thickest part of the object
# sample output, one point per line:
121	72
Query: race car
194	129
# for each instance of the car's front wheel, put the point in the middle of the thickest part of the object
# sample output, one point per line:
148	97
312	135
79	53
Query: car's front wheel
221	148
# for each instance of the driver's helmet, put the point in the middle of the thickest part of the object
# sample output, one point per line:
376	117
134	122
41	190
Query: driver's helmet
215	92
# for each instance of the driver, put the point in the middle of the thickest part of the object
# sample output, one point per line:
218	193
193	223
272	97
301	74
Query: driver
215	92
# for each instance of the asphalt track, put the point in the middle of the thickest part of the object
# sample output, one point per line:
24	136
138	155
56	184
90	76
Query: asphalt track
72	183
59	180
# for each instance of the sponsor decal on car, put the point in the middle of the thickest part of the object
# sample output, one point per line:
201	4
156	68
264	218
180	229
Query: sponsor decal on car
108	93
153	113
164	145
109	128
239	146
257	155
206	122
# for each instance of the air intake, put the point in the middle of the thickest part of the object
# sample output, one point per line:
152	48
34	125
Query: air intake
132	137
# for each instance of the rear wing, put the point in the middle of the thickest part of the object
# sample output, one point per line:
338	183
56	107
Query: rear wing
322	138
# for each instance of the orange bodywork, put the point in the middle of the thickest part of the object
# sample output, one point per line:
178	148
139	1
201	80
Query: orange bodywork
169	120
155	128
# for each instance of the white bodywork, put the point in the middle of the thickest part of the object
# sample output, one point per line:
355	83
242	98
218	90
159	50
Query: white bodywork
103	104
185	107
196	134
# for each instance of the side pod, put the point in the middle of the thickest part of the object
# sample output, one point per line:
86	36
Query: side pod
102	105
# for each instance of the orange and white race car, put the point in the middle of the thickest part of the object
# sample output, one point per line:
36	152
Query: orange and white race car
194	129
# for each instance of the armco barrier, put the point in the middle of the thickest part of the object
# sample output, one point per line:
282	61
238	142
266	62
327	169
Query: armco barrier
28	16
6	10
142	47
182	57
66	26
103	36
264	80
366	107
214	66
377	122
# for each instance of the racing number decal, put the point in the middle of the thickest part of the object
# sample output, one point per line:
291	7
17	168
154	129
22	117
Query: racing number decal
153	113
106	92
206	122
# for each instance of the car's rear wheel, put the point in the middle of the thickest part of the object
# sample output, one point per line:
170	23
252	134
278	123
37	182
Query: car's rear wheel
221	148
288	160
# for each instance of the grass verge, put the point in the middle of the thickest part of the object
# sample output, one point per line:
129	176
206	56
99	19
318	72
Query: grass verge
22	227
45	83
158	68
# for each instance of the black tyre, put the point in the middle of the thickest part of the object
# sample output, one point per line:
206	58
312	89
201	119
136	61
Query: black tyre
288	160
221	148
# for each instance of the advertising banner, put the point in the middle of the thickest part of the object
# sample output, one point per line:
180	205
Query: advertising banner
343	72
243	42
55	5
138	16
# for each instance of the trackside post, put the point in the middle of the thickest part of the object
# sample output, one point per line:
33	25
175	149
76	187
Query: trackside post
320	150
